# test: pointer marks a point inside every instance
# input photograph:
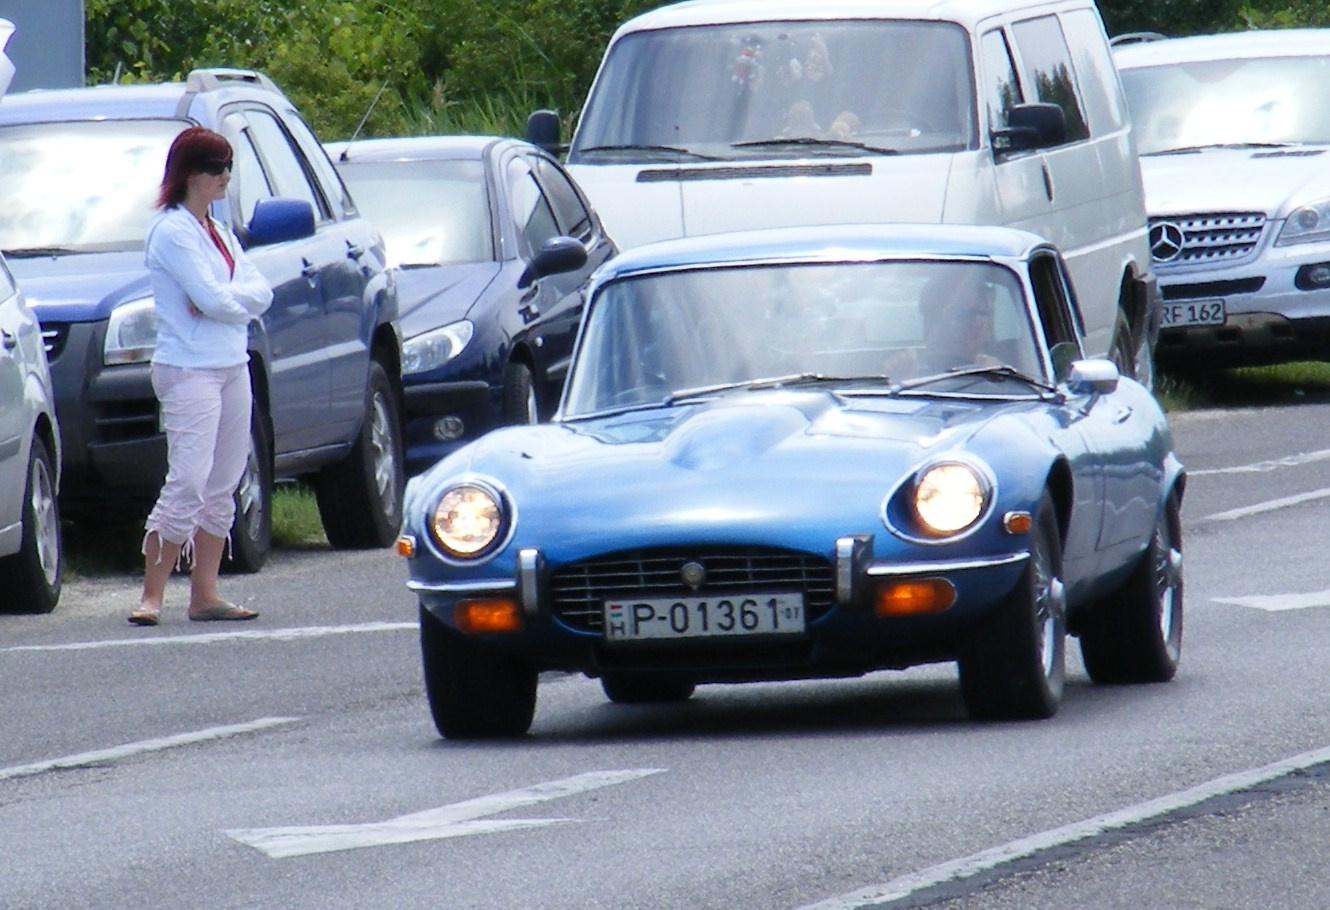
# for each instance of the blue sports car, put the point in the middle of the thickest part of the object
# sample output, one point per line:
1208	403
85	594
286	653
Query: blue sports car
803	453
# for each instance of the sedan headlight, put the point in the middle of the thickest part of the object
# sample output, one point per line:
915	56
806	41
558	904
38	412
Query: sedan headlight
1307	224
131	333
436	347
949	497
468	521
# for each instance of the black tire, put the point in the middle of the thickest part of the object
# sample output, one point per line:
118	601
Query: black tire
32	577
645	688
360	497
472	692
251	532
1014	665
1134	359
520	402
1135	636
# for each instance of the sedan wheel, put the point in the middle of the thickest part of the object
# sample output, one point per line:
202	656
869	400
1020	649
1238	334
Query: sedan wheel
1135	636
520	404
473	692
251	532
1014	664
32	577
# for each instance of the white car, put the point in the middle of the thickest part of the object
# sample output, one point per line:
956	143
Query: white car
1234	136
31	551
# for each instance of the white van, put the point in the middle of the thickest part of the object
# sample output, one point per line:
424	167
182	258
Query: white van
717	115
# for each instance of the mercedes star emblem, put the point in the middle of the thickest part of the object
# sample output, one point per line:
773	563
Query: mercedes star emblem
1166	241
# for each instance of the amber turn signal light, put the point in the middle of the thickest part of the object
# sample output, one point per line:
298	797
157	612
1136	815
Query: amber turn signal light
406	546
475	616
914	597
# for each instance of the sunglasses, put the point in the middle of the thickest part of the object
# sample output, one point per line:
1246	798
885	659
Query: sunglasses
214	167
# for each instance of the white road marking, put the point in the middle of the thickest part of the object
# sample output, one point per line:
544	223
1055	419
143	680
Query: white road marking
984	861
147	745
1260	467
1274	603
1270	505
456	820
209	638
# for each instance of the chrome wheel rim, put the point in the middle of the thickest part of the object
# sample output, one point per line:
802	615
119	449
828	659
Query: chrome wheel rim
249	494
47	521
382	449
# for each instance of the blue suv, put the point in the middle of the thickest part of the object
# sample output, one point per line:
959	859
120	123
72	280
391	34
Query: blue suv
79	172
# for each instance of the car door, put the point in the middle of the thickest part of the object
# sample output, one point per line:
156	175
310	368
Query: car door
14	417
266	165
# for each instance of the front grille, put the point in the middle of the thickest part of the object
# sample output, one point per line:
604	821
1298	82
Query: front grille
580	589
1223	237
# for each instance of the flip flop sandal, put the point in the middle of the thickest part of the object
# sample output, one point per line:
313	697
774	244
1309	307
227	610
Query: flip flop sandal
221	612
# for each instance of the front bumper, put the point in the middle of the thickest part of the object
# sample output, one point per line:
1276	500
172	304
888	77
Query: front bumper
844	635
443	416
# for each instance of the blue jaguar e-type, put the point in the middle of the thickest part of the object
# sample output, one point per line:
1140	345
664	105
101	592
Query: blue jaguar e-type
809	453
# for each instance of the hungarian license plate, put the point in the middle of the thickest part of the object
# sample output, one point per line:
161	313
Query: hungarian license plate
1193	312
641	619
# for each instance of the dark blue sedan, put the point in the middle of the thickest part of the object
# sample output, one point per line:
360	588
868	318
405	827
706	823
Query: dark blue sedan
807	453
493	244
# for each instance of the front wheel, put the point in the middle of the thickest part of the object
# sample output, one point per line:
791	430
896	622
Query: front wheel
251	531
472	692
32	577
1014	664
360	497
1135	636
520	404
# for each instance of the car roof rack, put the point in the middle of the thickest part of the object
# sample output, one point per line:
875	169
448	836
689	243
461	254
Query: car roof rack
213	78
1135	38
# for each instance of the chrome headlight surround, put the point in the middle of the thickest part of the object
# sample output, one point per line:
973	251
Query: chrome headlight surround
1306	224
470	520
941	501
431	350
131	333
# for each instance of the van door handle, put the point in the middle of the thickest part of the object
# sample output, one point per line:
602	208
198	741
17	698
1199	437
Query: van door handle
1048	182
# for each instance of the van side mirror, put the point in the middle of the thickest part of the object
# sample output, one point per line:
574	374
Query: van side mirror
555	256
1031	126
278	220
542	129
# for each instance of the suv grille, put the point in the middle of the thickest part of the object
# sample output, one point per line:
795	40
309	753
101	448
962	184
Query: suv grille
1196	239
580	589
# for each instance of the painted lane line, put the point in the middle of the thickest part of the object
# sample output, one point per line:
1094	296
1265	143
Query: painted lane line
987	860
210	638
128	750
1262	467
1269	506
455	820
1275	603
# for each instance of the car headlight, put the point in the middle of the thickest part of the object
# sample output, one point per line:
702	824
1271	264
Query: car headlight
467	521
436	347
131	333
949	497
1306	224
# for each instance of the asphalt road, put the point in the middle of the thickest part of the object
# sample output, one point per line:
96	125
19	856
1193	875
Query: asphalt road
290	762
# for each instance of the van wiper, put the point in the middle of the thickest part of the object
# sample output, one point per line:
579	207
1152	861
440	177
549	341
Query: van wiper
653	150
803	141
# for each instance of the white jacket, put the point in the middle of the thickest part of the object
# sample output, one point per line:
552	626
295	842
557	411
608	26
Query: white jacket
185	266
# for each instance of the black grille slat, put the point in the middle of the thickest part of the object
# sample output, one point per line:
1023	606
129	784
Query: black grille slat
580	589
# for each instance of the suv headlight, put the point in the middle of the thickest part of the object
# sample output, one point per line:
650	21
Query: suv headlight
434	348
1306	224
131	333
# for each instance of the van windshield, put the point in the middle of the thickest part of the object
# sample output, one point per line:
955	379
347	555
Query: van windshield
781	89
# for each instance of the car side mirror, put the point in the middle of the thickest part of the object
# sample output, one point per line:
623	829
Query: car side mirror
1031	126
1091	377
555	256
542	129
278	220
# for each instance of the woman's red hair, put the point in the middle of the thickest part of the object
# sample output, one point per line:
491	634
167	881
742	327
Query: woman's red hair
189	155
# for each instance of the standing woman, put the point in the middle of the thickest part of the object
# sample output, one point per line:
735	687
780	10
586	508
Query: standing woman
206	291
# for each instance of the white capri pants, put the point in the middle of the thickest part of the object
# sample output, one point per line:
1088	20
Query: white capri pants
205	413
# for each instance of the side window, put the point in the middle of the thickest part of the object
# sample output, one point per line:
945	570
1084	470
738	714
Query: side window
1001	88
569	209
281	162
1047	70
7	287
249	183
333	186
1054	302
1098	77
531	210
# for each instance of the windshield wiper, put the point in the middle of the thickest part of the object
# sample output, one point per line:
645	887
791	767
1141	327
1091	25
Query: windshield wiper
35	252
1000	373
1190	149
771	382
656	150
802	141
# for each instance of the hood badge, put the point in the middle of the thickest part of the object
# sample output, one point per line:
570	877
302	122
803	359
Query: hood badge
693	574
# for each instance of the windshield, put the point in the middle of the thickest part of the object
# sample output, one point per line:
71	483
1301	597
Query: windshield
1229	102
430	212
86	186
652	337
673	94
